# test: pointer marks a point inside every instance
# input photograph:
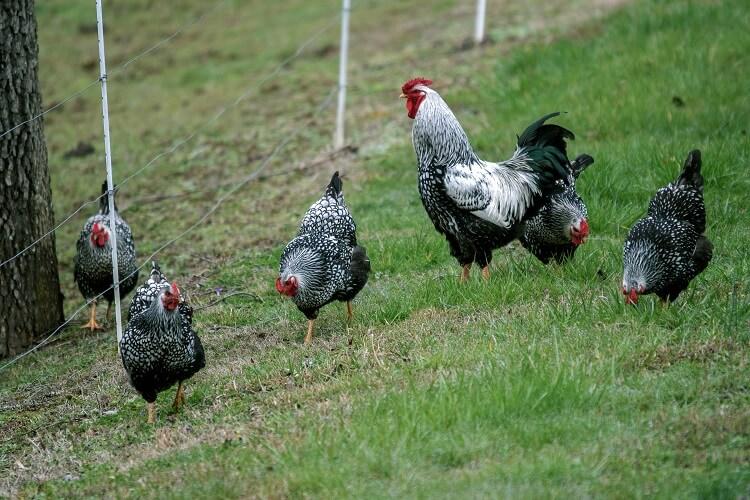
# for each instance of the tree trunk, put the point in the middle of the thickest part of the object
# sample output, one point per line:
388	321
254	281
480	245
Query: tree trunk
30	298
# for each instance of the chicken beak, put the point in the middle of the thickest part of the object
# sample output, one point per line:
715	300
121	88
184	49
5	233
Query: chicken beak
403	96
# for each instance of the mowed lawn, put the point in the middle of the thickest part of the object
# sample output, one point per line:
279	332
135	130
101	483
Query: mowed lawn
538	383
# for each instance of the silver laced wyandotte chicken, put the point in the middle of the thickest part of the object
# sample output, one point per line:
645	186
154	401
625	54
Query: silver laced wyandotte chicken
159	347
561	225
668	248
323	262
93	261
479	205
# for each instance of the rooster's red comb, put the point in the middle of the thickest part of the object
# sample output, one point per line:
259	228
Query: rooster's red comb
174	289
405	88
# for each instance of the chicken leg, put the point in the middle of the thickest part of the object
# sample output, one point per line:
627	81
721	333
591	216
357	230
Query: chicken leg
486	273
465	273
308	337
179	397
92	324
152	412
349	312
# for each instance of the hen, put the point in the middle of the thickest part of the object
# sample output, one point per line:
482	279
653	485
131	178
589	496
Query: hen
323	262
159	346
92	268
667	249
479	205
562	223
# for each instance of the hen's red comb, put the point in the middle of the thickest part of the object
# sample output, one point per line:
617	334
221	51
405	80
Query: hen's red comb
405	88
175	290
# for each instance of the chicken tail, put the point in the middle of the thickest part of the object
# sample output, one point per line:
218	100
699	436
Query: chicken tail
104	199
691	171
544	144
580	164
335	187
156	273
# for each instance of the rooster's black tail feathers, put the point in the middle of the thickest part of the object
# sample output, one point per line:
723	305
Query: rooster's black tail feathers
580	163
691	171
545	145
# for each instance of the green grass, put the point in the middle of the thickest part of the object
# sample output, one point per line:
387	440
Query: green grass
540	383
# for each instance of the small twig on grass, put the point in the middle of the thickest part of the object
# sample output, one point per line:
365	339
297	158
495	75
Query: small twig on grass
211	304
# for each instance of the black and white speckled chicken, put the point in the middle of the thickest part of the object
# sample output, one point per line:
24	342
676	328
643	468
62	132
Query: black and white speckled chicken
668	248
323	262
93	261
159	347
479	205
562	223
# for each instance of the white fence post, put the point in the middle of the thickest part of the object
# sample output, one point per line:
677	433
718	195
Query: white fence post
108	163
479	23
338	140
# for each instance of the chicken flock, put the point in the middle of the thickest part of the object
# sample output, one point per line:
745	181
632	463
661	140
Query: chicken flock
477	205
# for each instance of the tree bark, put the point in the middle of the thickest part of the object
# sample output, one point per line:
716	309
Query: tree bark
30	298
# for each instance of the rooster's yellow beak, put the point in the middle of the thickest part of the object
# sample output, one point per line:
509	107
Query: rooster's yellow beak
403	96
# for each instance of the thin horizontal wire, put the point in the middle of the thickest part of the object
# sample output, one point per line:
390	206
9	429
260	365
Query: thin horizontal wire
120	68
190	136
279	146
182	28
35	117
51	230
215	187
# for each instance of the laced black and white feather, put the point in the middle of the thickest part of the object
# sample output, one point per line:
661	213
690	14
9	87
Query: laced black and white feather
547	234
324	257
159	347
150	290
92	265
667	249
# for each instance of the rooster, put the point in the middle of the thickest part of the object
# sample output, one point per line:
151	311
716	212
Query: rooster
479	205
561	224
323	262
159	347
92	268
668	248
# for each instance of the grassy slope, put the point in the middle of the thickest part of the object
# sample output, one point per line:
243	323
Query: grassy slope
539	383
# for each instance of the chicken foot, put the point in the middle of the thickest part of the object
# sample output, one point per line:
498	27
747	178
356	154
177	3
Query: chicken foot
309	336
152	412
179	397
465	273
92	324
